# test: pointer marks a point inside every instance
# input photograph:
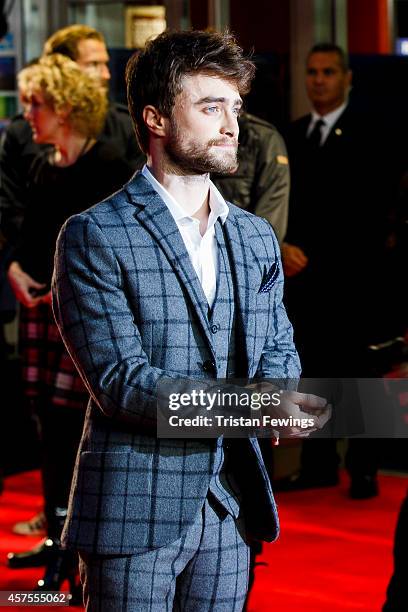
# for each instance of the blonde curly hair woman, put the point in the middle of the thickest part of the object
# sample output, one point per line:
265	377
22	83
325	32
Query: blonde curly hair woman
56	92
66	109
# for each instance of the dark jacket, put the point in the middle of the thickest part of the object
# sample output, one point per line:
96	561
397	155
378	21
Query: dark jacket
340	215
261	183
18	151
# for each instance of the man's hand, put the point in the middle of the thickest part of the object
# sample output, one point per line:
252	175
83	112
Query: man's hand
303	406
293	258
299	414
23	286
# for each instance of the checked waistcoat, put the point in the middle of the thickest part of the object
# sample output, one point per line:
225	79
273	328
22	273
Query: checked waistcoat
224	326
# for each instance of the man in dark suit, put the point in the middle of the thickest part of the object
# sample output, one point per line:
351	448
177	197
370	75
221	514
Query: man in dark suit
165	280
338	286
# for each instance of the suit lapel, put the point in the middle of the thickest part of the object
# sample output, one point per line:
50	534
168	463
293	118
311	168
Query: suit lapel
154	215
336	134
304	125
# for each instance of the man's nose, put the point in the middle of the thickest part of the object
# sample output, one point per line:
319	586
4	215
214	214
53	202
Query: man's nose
230	124
104	72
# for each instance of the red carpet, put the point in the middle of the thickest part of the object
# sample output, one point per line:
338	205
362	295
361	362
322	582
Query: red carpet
20	500
334	554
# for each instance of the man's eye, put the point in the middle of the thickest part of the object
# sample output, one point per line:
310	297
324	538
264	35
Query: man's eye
237	111
211	109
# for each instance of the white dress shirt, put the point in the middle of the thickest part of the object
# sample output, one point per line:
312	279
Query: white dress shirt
202	250
329	121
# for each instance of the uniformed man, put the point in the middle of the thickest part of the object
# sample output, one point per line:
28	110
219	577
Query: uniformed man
261	183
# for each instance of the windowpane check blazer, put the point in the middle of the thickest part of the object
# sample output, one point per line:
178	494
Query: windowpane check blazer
131	311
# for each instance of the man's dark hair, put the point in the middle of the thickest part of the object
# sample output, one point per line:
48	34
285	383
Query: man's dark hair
331	48
154	75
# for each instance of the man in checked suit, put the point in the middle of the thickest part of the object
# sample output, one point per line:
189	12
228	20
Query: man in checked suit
166	280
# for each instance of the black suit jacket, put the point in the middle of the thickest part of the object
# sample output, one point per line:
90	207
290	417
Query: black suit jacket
339	188
339	214
18	151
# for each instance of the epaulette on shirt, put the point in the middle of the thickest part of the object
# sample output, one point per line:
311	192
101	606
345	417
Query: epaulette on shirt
259	127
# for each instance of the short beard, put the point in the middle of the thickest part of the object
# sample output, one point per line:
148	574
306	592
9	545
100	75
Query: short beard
197	158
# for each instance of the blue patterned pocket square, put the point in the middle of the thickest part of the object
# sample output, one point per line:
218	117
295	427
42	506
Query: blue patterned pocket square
269	278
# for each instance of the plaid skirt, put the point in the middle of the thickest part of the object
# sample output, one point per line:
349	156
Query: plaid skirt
48	371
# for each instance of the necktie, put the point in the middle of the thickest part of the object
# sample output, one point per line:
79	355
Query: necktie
315	136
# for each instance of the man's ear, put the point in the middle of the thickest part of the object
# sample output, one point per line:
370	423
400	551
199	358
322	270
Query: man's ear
154	120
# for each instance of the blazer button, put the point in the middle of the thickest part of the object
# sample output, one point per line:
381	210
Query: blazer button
215	328
209	366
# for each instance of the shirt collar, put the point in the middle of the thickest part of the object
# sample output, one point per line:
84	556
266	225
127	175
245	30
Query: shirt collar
331	118
218	206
